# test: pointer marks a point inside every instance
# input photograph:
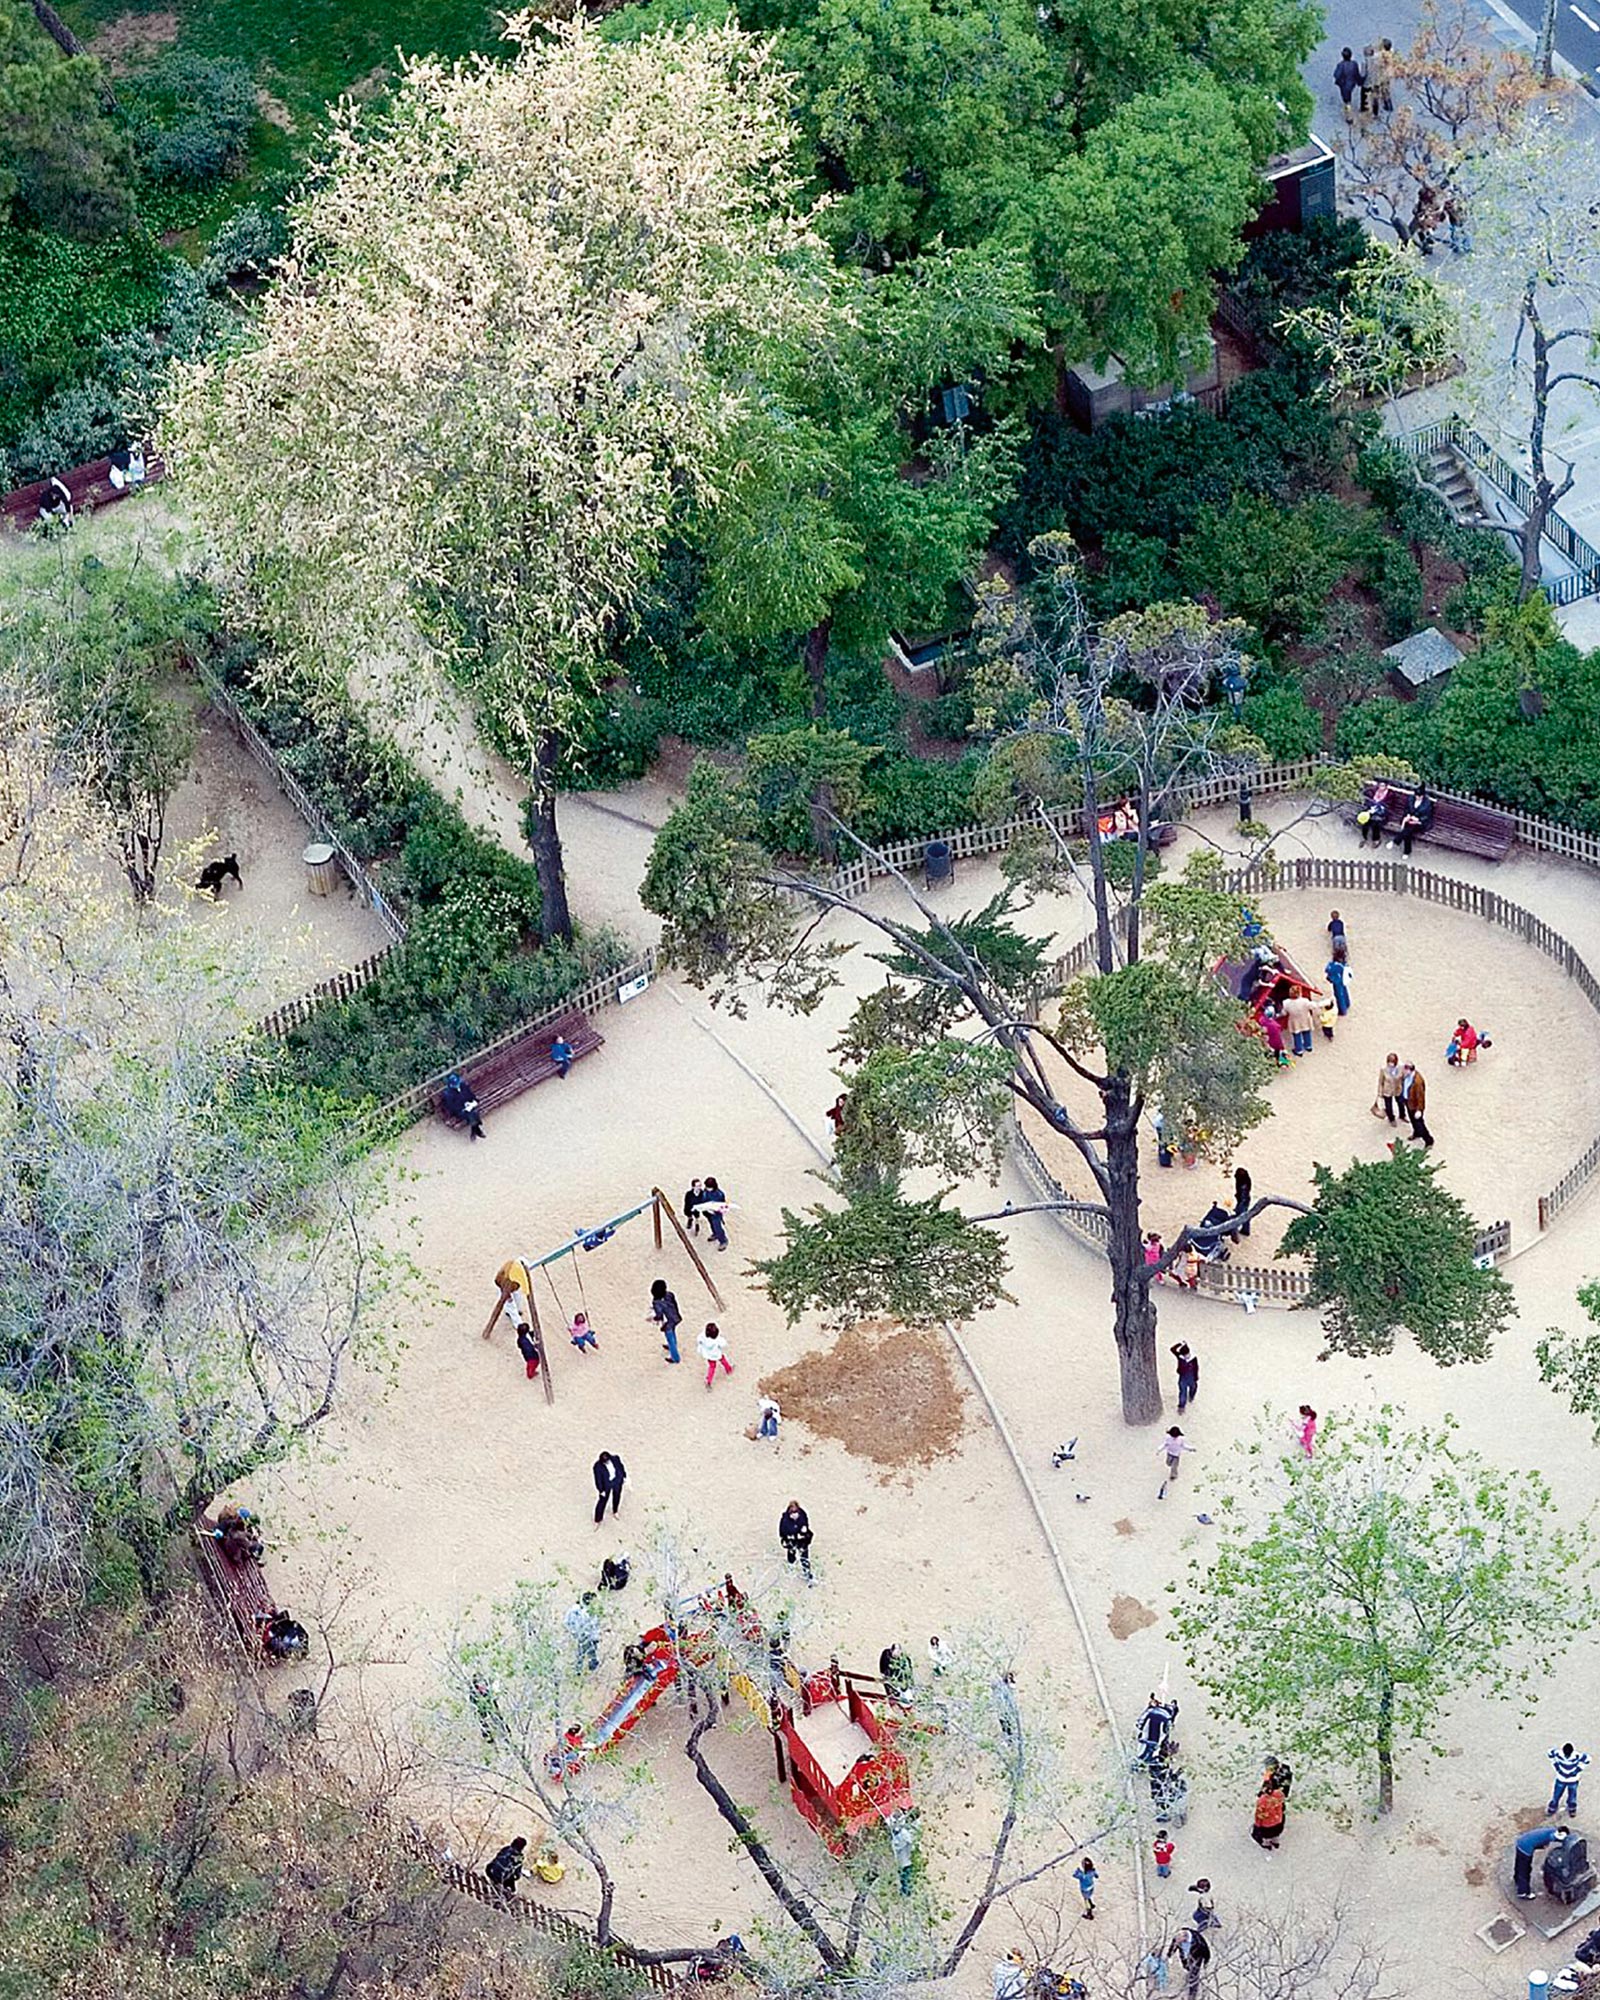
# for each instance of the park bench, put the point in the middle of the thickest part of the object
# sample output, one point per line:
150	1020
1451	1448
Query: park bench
90	486
1462	826
523	1063
240	1586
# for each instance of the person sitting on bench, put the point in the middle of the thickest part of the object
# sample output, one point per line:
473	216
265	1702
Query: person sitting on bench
239	1533
284	1639
55	503
459	1102
1417	817
1374	815
1207	1235
561	1054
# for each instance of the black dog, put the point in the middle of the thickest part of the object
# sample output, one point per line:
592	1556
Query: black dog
215	873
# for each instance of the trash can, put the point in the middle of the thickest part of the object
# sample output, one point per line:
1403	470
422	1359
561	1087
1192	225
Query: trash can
322	869
938	863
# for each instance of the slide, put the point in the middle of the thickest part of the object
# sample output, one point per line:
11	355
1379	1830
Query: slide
636	1695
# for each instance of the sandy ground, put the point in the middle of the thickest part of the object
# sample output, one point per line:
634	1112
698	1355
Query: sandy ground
230	805
1503	1134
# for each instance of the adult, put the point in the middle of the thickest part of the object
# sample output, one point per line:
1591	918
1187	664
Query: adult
691	1205
836	1114
610	1475
458	1101
1464	1044
1188	1374
712	1347
794	1537
1420	809
583	1627
1300	1017
668	1315
55	503
561	1055
1373	818
1391	1088
896	1671
1425	219
505	1870
714	1205
1193	1954
1337	974
1008	1980
1272	1807
1154	1728
1527	1846
1367	92
1569	1765
1347	81
1272	1028
615	1571
1414	1102
1380	73
1278	1771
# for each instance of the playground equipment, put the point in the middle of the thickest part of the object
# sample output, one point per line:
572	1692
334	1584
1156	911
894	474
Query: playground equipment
514	1281
1266	975
833	1732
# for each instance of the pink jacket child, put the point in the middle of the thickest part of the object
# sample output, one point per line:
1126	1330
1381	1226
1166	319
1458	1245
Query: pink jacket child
1307	1429
1272	1028
583	1334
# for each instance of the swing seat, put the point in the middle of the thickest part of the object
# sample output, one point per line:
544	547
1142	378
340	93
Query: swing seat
524	1062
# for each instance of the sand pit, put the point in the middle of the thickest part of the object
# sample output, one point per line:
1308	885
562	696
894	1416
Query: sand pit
1506	1127
886	1392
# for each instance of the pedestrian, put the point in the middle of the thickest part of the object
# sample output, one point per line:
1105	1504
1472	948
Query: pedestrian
714	1206
609	1476
1425	219
528	1348
1337	974
1189	1273
896	1671
1300	1018
940	1655
505	1870
1380	74
1391	1089
1242	1185
1272	1028
768	1419
691	1205
667	1314
1338	943
561	1055
615	1571
583	1334
1420	809
1527	1846
1204	1917
1266	1828
1157	1973
1188	1374
1414	1102
903	1846
1193	1954
480	1698
1163	1147
1173	1447
1307	1428
1368	92
712	1348
1279	1773
1569	1765
584	1629
794	1536
1347	81
1163	1849
1086	1879
836	1114
457	1101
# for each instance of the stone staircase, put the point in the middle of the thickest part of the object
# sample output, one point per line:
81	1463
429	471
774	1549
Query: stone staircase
1447	474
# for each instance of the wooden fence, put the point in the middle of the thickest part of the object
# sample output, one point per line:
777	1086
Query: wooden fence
282	1021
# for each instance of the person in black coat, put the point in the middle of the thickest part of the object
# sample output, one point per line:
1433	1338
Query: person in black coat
609	1475
1241	1195
459	1102
794	1533
505	1870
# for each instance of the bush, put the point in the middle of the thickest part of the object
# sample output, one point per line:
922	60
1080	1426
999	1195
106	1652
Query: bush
909	798
1285	270
190	117
245	246
948	717
1285	721
1389	727
1275	566
1135	570
1394	578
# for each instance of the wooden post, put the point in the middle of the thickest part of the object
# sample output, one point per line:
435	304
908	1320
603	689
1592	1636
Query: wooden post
506	1292
538	1341
655	1213
662	1204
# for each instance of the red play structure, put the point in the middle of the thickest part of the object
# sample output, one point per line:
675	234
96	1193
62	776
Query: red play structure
1257	980
834	1732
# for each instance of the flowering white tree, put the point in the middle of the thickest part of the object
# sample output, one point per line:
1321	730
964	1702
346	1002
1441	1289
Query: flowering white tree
499	361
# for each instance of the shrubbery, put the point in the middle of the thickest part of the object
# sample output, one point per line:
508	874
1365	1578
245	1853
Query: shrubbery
190	117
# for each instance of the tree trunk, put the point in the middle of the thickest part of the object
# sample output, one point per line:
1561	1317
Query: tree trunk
544	837
1135	1322
1386	1750
816	659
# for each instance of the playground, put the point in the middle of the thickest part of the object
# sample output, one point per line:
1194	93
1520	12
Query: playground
440	1494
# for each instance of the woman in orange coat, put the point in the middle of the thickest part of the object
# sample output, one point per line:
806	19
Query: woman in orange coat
1271	1810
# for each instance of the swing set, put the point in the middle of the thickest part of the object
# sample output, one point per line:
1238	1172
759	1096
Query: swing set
515	1277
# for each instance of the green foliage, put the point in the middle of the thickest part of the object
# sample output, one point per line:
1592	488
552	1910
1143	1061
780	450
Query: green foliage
917	1262
1351	1596
1011	960
908	798
1274	566
1285	722
63	163
943	1106
1134	570
1569	1359
1391	1251
1285	270
245	245
190	116
788	771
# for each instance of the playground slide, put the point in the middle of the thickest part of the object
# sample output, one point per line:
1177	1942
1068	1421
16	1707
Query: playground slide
631	1701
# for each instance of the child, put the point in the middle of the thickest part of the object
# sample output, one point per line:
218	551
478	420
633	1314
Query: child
1272	1028
1338	943
1464	1044
1173	1447
583	1334
1154	1250
771	1417
1330	1014
1191	1268
528	1348
1307	1429
1163	1850
1085	1877
712	1348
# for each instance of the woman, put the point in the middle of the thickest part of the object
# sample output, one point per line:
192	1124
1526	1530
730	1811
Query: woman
1271	1809
1387	1102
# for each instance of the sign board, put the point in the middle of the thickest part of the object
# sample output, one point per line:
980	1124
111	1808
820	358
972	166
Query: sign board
634	987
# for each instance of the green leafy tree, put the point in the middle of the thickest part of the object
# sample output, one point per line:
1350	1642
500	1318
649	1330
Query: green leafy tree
1569	1359
1392	1251
64	165
1352	1596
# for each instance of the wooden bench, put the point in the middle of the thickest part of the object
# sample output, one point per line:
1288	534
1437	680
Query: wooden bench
1462	826
241	1587
523	1063
90	486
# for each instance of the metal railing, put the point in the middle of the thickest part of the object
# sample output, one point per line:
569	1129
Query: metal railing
1558	531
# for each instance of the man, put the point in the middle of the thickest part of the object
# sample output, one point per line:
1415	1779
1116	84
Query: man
1380	69
609	1474
561	1054
1154	1727
505	1870
794	1536
713	1206
584	1628
1528	1845
1569	1765
1347	81
1419	812
1242	1182
458	1101
667	1314
1301	1019
1414	1101
1193	1954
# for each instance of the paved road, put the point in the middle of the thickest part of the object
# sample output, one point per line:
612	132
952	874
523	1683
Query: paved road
1577	32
